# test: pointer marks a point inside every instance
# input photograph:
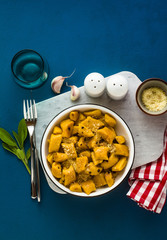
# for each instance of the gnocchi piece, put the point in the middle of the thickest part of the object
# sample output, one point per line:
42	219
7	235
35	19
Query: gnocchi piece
95	161
70	150
56	170
107	134
67	127
92	124
81	163
101	153
57	130
92	169
112	160
74	115
99	180
59	157
82	143
84	131
88	186
75	130
75	187
50	158
109	178
54	142
120	165
94	141
120	139
110	120
121	150
95	113
82	177
68	163
81	117
69	175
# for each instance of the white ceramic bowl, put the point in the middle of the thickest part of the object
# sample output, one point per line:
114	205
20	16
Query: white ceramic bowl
121	129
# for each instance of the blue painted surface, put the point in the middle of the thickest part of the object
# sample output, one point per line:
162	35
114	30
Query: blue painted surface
103	36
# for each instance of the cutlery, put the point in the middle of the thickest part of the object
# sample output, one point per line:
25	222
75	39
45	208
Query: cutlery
30	116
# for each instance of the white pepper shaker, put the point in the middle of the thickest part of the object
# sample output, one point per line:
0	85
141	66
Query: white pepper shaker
117	87
94	84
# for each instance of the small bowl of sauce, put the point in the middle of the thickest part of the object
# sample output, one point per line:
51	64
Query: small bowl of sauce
151	96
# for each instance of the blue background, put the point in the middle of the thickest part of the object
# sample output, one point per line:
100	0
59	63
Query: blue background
95	35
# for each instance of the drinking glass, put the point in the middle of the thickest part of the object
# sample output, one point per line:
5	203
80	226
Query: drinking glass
29	69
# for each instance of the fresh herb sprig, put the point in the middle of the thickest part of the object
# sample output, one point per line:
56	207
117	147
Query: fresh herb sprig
16	146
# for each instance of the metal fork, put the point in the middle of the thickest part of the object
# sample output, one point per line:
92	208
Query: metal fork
30	116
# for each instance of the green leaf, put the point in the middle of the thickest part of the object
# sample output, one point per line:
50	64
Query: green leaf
17	138
20	154
22	131
10	148
28	154
9	143
7	138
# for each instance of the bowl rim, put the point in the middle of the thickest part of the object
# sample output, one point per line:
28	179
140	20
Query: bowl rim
137	93
73	193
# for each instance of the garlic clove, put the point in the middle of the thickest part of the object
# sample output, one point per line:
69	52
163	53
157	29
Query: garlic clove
57	83
75	93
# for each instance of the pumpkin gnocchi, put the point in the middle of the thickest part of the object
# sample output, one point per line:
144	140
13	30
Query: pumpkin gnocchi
85	152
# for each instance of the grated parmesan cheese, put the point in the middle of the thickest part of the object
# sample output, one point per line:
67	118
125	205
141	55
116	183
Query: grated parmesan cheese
154	99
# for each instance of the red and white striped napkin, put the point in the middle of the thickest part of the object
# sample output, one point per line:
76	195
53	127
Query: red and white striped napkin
149	182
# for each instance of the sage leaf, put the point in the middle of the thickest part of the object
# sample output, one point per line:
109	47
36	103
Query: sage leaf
20	154
17	138
28	154
7	138
16	147
22	131
11	149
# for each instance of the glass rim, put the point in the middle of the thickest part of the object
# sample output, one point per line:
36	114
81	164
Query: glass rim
20	52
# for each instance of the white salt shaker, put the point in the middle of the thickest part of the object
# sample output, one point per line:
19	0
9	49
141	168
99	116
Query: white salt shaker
117	87
94	84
